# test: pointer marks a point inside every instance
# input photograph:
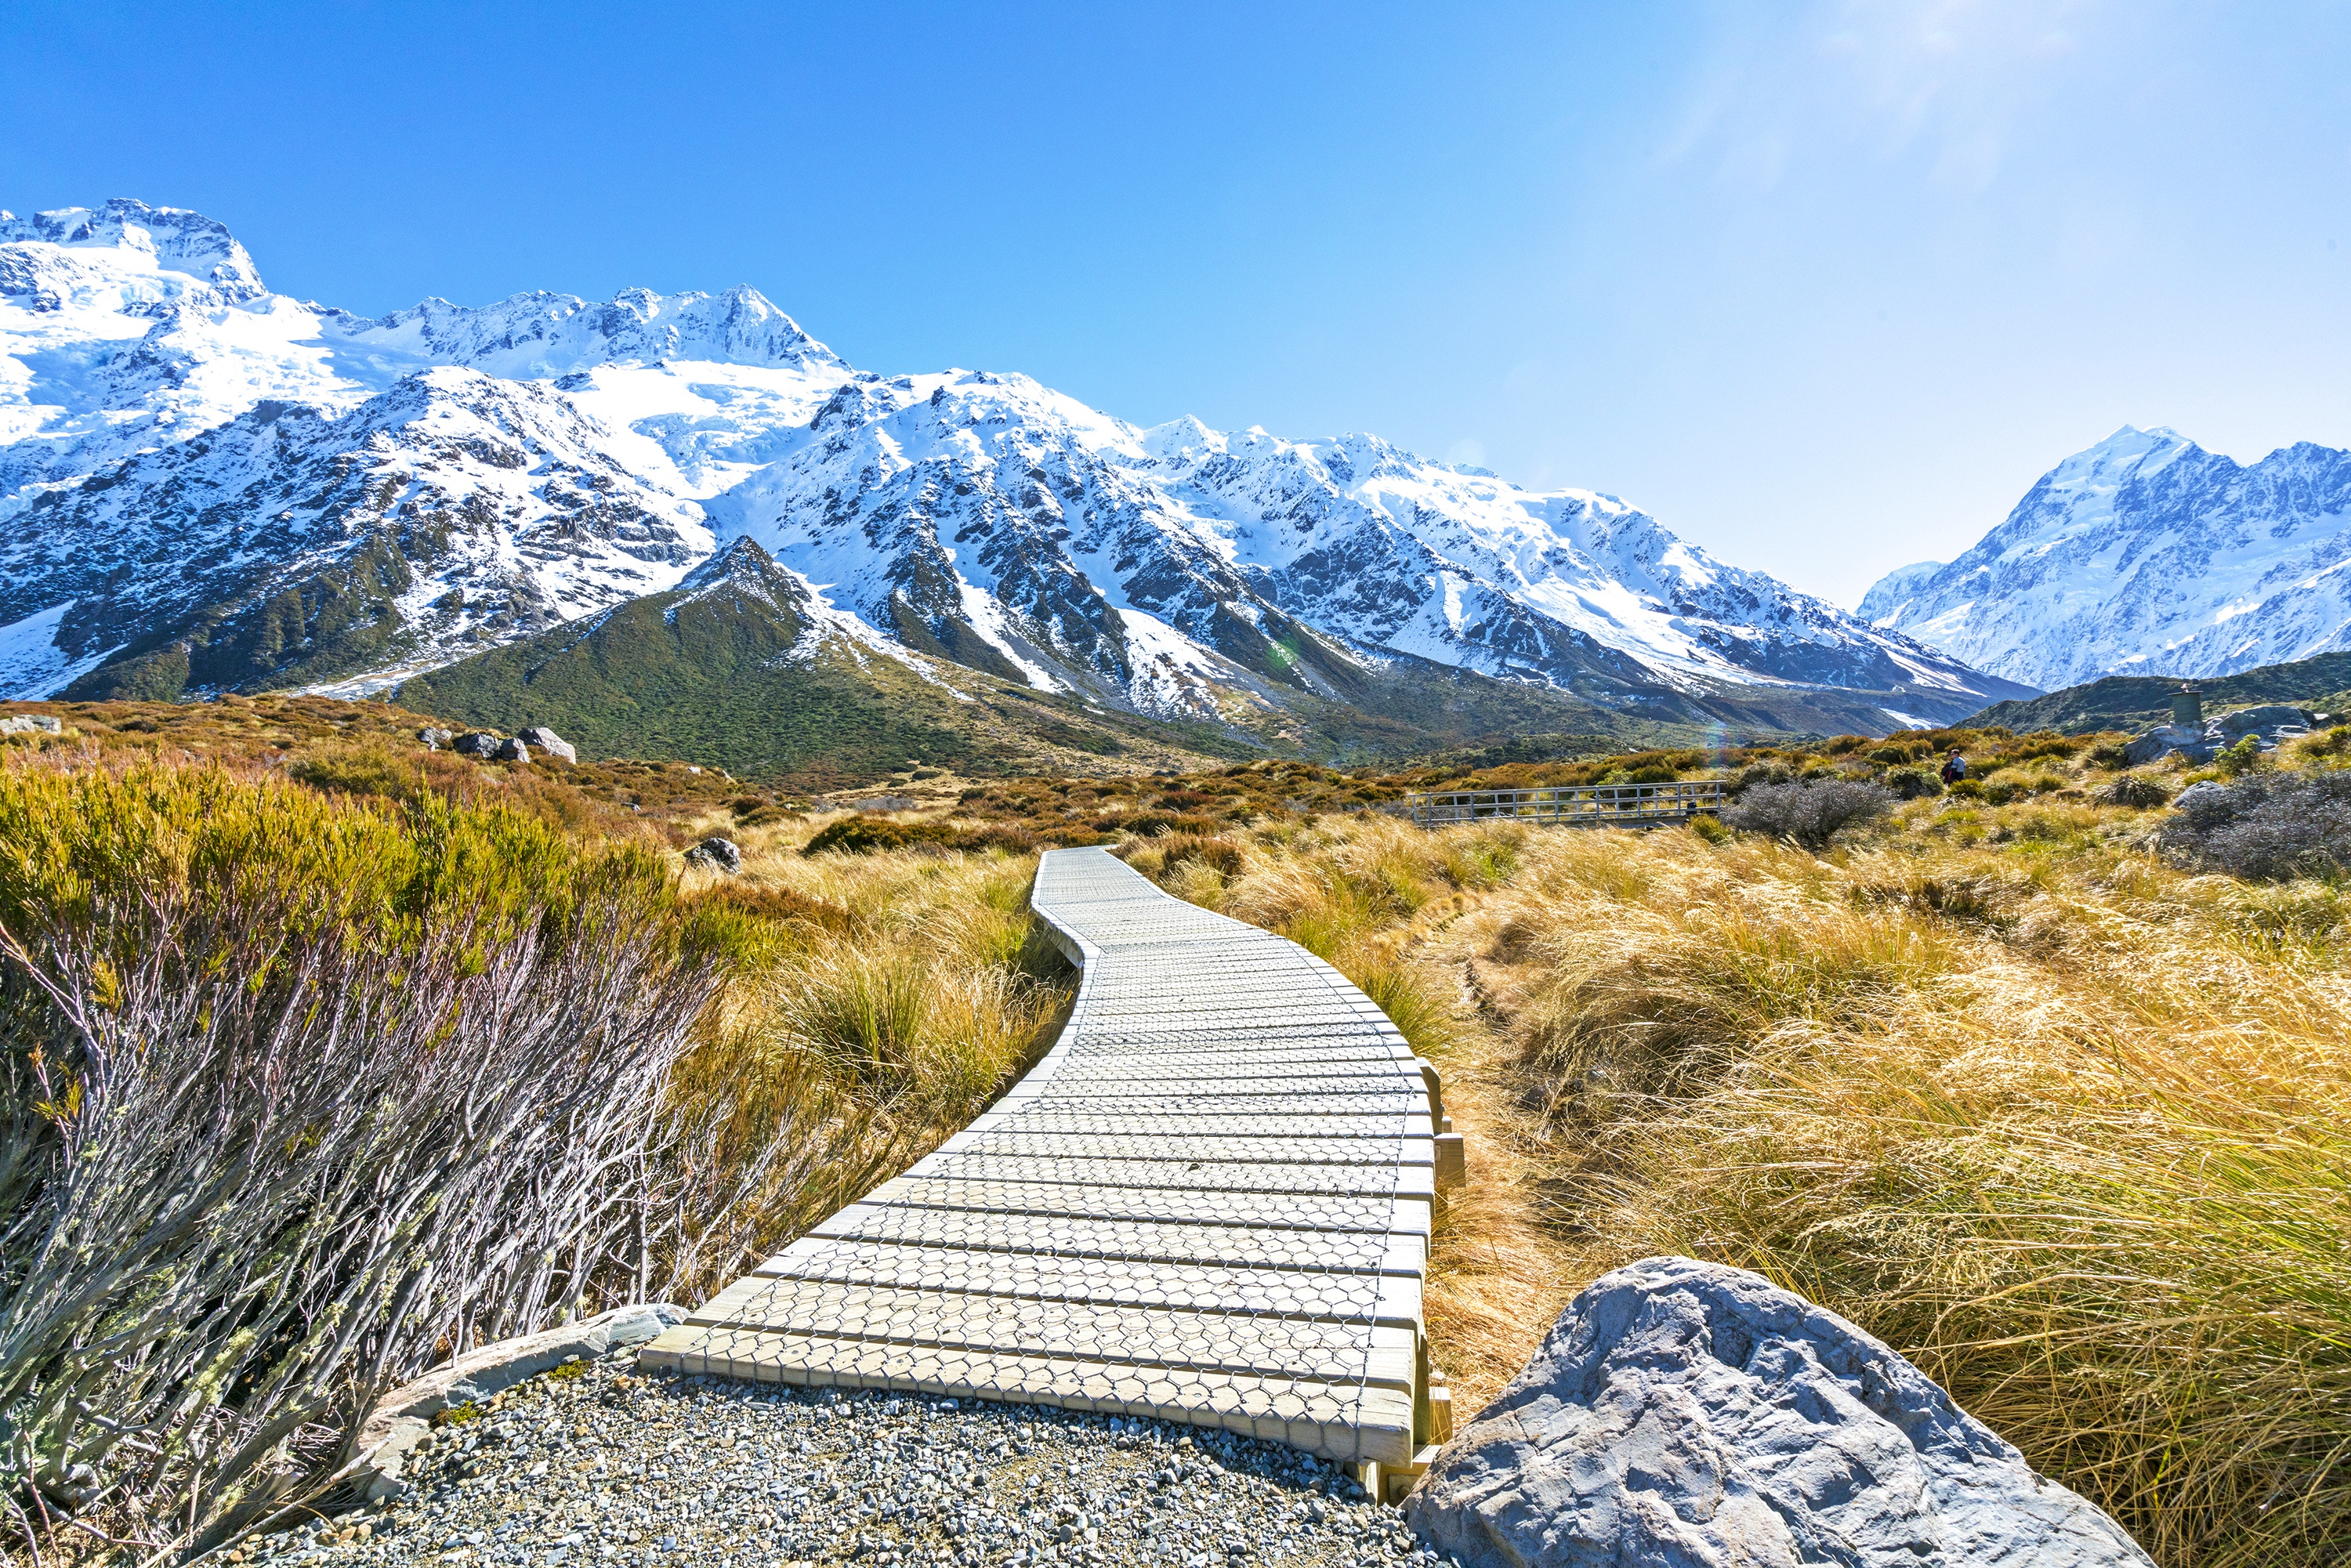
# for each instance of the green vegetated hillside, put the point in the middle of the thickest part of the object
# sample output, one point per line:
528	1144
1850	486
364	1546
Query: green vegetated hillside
2136	702
737	669
732	671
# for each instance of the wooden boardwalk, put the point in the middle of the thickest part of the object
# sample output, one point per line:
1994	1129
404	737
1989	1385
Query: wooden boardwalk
1209	1203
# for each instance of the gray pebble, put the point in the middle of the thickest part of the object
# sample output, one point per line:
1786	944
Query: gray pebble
613	1469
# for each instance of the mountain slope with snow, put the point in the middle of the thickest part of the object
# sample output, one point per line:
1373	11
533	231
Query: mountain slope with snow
2146	555
205	485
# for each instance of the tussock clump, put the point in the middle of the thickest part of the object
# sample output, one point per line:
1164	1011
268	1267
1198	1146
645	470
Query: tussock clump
1220	855
1809	813
2264	827
2135	791
1191	866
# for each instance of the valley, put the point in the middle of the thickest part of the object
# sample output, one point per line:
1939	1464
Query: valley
1993	1015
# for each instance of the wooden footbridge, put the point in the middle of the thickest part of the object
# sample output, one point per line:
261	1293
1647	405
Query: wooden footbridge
1209	1203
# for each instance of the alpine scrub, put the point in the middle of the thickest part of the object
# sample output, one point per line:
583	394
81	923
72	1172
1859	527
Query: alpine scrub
306	1091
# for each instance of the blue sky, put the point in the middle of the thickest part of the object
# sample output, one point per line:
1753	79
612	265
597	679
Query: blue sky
1825	286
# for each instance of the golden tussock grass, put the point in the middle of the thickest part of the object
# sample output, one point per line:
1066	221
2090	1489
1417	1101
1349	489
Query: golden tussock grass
899	990
2069	1127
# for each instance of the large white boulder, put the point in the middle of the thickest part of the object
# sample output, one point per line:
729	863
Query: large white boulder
1683	1412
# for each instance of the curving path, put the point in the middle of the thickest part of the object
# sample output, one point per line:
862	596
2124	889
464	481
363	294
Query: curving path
1209	1203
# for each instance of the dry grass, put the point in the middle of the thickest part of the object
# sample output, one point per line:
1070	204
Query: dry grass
2065	1125
2062	1122
900	990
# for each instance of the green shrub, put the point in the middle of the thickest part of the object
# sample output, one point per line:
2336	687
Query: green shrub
1912	783
861	835
1150	824
2240	759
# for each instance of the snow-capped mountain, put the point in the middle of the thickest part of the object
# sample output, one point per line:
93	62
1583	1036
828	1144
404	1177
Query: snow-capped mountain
2145	555
206	485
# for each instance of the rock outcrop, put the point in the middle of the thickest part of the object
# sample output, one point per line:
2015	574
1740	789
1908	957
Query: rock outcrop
2162	741
1688	1413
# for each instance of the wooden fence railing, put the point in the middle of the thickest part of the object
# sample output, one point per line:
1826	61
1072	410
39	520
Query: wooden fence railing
1582	805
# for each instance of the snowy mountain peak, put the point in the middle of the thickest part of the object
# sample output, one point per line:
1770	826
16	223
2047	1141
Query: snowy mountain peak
741	562
2146	554
2132	444
204	486
544	336
171	239
1183	434
1884	604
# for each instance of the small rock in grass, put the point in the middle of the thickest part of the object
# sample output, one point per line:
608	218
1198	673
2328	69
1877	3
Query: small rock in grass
719	854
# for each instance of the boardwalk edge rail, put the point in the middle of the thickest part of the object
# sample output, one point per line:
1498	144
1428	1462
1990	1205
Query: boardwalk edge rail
1573	805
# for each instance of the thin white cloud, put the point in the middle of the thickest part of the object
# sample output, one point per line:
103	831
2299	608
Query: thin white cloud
1940	83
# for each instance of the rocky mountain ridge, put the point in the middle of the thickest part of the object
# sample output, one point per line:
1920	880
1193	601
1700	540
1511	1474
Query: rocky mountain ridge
2145	555
206	486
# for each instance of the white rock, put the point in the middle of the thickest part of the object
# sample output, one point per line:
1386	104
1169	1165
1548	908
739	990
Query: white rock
1683	1412
539	737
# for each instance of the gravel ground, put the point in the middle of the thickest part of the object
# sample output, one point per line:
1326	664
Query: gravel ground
596	1464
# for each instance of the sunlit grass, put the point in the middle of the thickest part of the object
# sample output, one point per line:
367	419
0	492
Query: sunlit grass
2068	1127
